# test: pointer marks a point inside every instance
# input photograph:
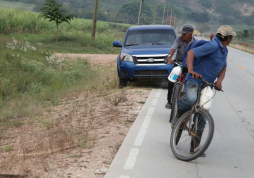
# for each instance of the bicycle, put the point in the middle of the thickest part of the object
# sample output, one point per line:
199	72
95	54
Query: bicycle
193	132
177	92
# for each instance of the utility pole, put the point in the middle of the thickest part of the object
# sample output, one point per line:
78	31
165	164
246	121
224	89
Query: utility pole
94	19
167	12
139	15
171	18
163	14
154	12
175	21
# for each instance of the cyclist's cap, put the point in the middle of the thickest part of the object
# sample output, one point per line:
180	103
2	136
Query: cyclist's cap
187	29
225	30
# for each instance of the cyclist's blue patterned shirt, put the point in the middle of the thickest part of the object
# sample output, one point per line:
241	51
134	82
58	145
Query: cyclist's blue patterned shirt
210	59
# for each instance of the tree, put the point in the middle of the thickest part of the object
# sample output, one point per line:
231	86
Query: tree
53	11
251	32
130	11
243	34
239	35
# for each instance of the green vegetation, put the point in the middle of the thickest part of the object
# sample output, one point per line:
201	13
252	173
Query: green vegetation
7	148
52	11
19	21
74	37
243	35
31	77
128	13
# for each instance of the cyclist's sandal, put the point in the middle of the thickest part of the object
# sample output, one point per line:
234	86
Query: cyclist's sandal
203	155
196	149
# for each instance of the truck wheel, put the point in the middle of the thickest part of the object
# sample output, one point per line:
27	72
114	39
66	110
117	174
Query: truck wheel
122	82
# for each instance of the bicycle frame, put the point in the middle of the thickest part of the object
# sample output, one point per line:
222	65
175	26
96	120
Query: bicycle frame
180	81
196	105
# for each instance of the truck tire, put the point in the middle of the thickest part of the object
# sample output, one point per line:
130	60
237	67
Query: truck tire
122	82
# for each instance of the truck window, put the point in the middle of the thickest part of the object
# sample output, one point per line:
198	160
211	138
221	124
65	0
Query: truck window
150	37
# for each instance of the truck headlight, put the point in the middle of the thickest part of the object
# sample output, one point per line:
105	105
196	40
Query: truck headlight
126	57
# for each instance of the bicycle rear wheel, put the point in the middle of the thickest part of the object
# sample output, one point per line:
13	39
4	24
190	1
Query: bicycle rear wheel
184	135
176	96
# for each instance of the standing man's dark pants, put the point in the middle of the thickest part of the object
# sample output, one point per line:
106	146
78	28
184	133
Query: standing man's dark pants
170	88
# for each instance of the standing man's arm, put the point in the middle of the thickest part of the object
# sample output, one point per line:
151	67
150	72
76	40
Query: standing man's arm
221	76
190	59
173	49
171	53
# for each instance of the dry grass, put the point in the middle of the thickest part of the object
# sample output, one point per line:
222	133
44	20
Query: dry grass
71	129
249	48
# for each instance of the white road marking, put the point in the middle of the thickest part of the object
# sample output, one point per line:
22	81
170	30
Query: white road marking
155	101
150	111
157	95
131	160
142	132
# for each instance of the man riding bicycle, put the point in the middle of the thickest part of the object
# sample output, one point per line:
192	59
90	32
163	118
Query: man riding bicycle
180	44
208	61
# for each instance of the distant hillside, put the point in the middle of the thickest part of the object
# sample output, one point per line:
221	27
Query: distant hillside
216	11
17	5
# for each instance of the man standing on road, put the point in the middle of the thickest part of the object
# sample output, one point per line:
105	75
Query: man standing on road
180	44
210	63
211	37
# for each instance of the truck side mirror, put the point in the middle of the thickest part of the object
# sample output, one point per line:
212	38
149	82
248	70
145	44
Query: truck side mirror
117	44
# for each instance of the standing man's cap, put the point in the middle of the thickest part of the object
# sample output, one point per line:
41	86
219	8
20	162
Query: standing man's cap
187	29
226	30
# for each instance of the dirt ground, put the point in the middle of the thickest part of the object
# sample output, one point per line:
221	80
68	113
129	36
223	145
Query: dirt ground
110	122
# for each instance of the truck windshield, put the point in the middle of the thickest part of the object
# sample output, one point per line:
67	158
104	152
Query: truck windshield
150	37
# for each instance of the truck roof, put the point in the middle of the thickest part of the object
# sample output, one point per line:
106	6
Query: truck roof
140	27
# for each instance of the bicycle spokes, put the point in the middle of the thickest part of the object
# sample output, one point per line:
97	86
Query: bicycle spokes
192	136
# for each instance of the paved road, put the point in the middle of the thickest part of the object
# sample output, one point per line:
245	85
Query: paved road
146	152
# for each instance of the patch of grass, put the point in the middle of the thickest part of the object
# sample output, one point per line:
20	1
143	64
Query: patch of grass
141	102
117	98
47	124
13	20
73	38
31	77
73	42
7	148
17	123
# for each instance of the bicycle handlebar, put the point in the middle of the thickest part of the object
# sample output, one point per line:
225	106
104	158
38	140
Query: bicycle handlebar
210	84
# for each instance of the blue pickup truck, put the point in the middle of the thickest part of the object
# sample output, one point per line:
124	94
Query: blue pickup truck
144	52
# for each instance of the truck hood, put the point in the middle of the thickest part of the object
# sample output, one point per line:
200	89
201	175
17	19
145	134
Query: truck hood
149	49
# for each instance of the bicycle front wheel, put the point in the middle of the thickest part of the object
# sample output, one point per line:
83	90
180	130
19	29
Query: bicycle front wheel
176	96
192	136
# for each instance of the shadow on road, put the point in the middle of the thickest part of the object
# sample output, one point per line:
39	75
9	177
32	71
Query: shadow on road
149	84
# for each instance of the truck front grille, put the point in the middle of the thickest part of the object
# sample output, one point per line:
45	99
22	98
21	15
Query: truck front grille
156	59
151	72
